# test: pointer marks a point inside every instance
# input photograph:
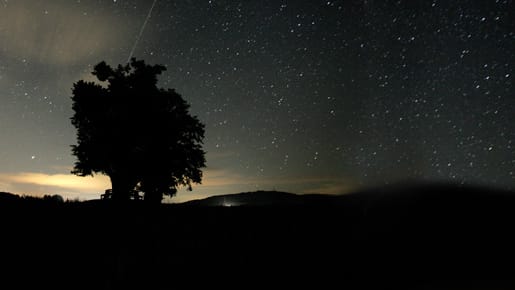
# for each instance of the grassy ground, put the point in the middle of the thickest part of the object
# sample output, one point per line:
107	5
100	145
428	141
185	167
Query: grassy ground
418	240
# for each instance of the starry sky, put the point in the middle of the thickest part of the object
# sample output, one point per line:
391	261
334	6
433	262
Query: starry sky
302	96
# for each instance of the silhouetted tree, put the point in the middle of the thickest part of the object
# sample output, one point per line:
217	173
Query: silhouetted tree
141	136
56	198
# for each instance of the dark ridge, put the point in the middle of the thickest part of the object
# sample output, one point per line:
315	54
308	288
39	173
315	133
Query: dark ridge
8	197
400	192
256	198
398	237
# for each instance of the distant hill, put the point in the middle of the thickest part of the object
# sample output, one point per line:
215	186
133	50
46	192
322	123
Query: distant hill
262	198
391	195
8	197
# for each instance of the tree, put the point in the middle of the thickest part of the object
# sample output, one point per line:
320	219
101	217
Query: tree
141	136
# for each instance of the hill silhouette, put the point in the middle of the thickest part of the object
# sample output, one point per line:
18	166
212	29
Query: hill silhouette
409	236
8	197
261	198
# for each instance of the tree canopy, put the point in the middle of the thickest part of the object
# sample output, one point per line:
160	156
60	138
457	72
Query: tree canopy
141	136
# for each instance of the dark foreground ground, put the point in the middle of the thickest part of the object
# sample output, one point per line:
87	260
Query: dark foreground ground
421	238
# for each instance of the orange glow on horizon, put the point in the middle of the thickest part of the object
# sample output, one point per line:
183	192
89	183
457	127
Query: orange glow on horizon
215	182
32	183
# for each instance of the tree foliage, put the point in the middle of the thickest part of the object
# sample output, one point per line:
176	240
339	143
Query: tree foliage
141	136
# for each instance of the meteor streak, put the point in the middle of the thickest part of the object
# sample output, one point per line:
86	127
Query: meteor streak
141	31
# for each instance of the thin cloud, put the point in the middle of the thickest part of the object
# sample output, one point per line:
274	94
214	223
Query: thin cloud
325	184
334	186
56	34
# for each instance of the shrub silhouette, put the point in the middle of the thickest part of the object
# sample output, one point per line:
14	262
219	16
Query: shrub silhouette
56	198
141	136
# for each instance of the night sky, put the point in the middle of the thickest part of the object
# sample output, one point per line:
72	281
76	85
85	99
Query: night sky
299	96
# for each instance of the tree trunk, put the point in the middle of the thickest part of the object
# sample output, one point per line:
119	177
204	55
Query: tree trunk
121	187
153	197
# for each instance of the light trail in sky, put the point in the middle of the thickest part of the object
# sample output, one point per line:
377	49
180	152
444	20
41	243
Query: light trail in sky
141	31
